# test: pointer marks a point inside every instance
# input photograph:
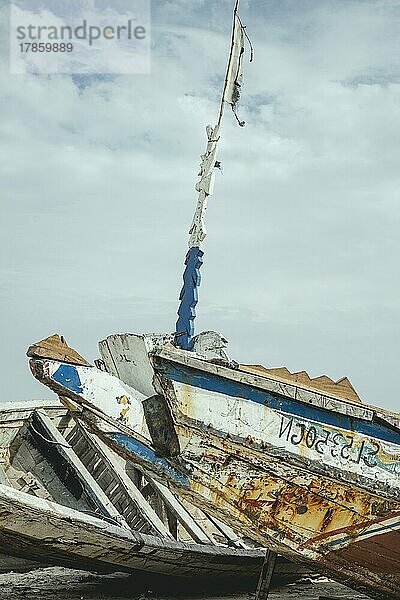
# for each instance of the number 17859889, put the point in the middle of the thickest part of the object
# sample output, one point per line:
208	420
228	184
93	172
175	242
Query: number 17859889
46	47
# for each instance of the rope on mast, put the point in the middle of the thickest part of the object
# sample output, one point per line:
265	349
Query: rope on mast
222	105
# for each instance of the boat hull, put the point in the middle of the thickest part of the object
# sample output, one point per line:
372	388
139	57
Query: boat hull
249	452
346	441
66	499
343	521
278	507
34	527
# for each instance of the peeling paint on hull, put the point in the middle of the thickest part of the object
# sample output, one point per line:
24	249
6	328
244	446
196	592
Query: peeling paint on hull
31	526
355	447
323	486
311	483
337	512
341	531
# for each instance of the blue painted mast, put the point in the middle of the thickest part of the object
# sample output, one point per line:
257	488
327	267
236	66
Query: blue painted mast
184	331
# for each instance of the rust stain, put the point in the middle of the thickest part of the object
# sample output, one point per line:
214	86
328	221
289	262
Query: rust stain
298	508
327	519
280	504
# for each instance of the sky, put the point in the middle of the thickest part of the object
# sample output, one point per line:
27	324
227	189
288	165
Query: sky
301	259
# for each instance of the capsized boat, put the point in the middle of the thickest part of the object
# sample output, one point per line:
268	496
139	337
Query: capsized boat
299	465
67	499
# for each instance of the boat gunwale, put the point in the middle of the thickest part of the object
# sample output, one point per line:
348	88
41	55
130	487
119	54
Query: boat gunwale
29	406
51	507
365	412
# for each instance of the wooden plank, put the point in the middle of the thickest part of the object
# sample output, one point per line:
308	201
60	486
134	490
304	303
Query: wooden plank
33	527
111	459
90	486
27	406
183	516
231	536
56	348
172	523
267	571
341	388
173	504
3	476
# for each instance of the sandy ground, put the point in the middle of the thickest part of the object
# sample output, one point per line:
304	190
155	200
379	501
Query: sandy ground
68	584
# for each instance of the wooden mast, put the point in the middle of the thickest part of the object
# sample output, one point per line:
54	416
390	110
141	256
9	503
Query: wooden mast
184	331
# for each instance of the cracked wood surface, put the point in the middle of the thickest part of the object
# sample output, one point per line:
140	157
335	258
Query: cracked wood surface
32	525
57	534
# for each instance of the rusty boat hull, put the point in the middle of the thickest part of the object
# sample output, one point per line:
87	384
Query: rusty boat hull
308	474
306	470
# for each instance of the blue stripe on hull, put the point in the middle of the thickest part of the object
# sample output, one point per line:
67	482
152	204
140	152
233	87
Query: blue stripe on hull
367	534
221	385
68	376
145	454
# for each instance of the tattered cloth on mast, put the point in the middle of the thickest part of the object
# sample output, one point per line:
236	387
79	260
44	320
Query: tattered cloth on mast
204	186
234	78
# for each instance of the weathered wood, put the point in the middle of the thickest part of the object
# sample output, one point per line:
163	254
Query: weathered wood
3	476
117	352
249	455
232	442
15	414
341	388
231	536
98	390
90	486
113	461
295	391
33	527
267	571
158	418
172	523
133	473
183	516
359	451
55	533
33	455
56	347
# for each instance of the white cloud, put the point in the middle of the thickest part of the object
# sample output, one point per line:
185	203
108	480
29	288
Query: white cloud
301	259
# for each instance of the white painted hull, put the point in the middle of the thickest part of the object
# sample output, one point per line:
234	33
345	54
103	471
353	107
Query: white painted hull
255	426
45	530
349	442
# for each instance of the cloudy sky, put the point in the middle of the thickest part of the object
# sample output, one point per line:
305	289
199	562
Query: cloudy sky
301	264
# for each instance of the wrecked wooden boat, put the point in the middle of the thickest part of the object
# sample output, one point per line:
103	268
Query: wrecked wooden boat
298	465
67	499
